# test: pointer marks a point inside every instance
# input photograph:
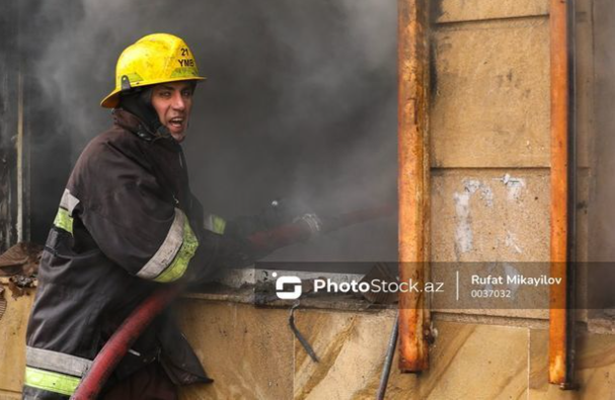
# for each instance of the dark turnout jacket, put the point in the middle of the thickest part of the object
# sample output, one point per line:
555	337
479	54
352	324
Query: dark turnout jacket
127	224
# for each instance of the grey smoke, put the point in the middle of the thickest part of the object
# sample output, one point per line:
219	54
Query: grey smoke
300	101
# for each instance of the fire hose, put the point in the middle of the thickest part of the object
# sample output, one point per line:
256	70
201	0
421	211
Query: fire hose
121	341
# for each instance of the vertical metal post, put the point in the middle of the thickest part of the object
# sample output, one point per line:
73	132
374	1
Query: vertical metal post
563	194
22	150
413	179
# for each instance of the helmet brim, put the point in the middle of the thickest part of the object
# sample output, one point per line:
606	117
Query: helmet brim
113	99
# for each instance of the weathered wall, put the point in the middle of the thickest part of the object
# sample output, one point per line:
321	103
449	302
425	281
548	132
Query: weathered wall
489	129
252	354
490	133
490	139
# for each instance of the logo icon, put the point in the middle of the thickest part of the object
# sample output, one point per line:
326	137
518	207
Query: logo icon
295	281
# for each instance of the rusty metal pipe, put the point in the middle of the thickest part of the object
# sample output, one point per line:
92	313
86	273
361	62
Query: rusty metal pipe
563	195
413	180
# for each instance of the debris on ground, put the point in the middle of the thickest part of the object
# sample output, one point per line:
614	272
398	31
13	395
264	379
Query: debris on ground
17	285
20	264
21	259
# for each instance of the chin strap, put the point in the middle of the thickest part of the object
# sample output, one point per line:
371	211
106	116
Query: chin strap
138	101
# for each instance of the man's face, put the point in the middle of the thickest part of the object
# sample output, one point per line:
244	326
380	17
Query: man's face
173	102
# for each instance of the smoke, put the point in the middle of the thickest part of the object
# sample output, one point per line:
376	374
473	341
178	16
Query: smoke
300	101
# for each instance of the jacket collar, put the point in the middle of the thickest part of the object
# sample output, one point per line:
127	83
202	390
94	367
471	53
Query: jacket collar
127	120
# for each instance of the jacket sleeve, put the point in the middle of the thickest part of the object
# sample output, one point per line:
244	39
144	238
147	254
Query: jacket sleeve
132	219
218	250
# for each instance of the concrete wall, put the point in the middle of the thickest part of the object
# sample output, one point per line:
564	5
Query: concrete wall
252	354
489	129
490	136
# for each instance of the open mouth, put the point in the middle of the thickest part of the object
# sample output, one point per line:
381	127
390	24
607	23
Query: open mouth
176	122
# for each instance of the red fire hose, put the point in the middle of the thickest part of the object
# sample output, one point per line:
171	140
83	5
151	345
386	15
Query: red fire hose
121	341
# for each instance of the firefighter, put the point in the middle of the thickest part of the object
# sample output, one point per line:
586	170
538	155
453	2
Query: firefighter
127	223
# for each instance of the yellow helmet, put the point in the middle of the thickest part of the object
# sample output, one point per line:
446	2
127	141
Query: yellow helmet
153	59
